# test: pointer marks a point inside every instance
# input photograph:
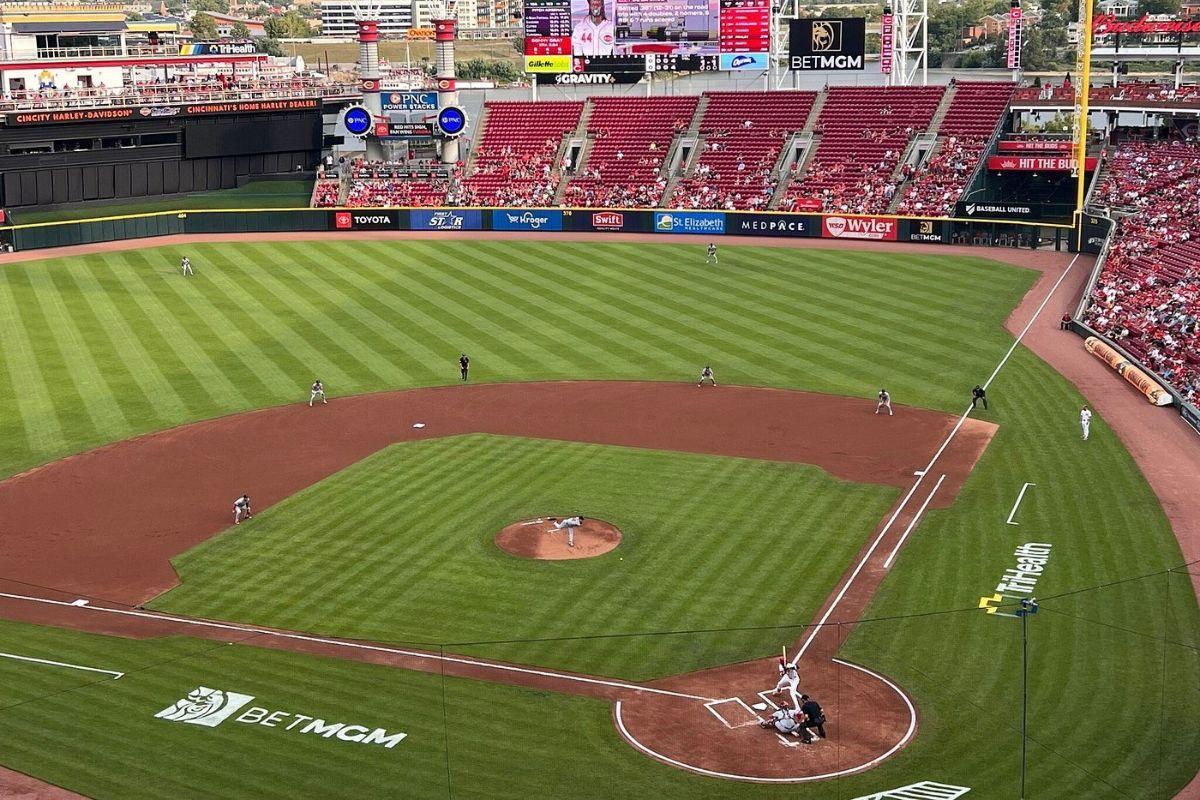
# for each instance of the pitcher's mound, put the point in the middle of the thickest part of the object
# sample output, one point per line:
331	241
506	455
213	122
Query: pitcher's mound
536	538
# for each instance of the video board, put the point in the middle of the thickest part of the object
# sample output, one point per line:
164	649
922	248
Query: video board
667	34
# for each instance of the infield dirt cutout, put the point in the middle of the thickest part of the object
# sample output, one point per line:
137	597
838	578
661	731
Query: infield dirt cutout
69	527
537	539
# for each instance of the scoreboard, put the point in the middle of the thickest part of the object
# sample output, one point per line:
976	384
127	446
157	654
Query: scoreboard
745	26
547	27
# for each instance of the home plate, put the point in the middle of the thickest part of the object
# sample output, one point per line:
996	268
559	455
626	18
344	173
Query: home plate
759	706
418	424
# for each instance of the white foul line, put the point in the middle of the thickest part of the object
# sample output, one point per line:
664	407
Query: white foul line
1013	513
921	475
912	524
358	646
908	734
116	675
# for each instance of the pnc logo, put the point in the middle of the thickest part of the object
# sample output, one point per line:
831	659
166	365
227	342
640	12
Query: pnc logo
204	706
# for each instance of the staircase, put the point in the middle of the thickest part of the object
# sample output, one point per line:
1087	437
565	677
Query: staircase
476	141
943	108
579	134
785	172
811	123
902	185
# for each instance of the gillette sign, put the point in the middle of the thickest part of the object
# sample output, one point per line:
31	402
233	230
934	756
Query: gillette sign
211	707
878	228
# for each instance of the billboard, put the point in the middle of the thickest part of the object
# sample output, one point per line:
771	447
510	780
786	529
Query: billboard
610	220
1011	163
880	229
540	219
158	112
930	231
827	45
689	222
746	223
665	34
366	220
409	101
445	220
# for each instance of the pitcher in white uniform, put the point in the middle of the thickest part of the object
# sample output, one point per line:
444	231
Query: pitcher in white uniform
570	524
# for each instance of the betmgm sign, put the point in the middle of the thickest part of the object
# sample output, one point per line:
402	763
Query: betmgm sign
827	45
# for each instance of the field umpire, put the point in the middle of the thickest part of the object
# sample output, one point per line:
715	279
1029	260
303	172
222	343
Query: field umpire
978	394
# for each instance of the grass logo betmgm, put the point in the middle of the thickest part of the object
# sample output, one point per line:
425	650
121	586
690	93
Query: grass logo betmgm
211	707
204	706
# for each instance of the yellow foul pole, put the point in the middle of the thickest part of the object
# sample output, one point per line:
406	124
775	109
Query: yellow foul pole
1083	69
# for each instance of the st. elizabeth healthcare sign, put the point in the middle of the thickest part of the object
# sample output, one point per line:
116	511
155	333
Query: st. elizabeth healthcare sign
701	222
211	707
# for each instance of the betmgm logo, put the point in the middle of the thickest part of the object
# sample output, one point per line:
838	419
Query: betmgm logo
827	36
210	707
204	706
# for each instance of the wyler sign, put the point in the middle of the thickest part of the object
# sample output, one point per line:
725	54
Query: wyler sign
210	707
827	45
881	229
364	220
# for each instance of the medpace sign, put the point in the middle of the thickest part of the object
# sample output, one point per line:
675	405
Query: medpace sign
740	223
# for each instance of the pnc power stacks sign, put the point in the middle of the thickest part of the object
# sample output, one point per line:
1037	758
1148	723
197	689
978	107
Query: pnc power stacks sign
827	45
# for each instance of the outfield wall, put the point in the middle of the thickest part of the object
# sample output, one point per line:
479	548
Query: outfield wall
853	227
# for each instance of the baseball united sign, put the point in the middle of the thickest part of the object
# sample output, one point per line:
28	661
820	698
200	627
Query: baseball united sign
827	45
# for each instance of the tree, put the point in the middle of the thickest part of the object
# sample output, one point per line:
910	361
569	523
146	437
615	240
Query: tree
203	27
219	6
271	47
287	26
239	31
1159	7
134	16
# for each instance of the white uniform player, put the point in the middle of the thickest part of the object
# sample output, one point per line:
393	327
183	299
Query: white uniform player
241	509
789	679
784	720
706	374
1085	421
885	401
570	524
185	264
318	388
712	254
595	35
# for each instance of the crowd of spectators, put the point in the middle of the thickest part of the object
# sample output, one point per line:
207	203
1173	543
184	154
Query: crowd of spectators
1147	298
943	177
397	192
325	193
510	176
1150	91
183	88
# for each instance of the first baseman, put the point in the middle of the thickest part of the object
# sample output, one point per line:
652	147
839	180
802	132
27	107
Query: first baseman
241	508
1085	421
885	401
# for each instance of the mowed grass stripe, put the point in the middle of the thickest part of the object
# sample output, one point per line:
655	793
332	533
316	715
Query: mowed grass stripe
42	428
156	393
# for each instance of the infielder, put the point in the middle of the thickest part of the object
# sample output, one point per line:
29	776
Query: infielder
706	374
241	508
318	389
885	401
185	264
789	678
1085	421
712	254
570	523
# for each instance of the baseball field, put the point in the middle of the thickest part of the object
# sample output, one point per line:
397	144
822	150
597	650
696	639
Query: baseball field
775	510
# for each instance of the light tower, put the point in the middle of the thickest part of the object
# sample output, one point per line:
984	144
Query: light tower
444	31
366	18
910	20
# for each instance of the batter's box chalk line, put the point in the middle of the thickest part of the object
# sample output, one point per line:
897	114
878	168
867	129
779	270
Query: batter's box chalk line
712	708
923	790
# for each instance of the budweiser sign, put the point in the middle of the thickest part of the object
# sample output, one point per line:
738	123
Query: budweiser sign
879	228
1036	146
1104	24
1036	163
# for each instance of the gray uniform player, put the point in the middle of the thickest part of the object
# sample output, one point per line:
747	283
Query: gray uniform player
569	524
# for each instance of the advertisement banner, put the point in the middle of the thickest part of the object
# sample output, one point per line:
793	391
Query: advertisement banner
1035	146
982	210
365	220
409	101
548	64
930	231
218	49
883	229
1149	387
1037	163
827	45
585	220
886	33
1095	232
702	222
743	223
1014	35
744	61
542	219
1191	415
470	219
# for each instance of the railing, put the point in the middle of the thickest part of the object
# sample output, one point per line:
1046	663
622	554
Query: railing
107	51
169	95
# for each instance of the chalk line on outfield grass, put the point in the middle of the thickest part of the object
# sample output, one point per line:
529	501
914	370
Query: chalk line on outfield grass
563	676
921	475
47	662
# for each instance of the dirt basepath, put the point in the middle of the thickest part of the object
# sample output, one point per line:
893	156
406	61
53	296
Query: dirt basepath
19	786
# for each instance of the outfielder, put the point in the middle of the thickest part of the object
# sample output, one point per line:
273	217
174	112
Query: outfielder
570	523
318	389
885	401
1085	421
185	264
789	678
241	508
706	374
712	254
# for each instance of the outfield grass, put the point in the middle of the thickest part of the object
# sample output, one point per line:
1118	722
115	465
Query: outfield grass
408	532
98	348
255	194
